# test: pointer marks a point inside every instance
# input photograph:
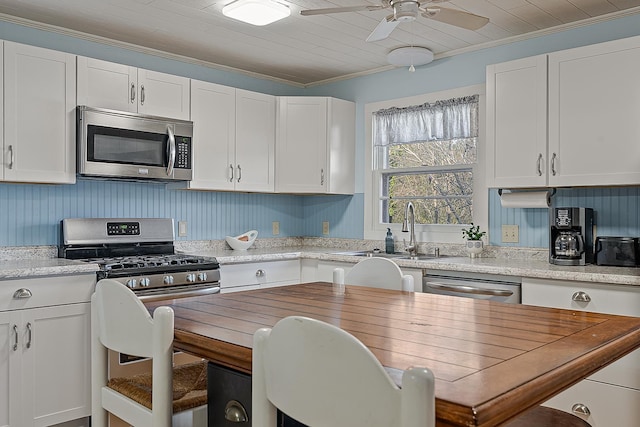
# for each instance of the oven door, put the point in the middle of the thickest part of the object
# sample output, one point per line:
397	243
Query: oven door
125	145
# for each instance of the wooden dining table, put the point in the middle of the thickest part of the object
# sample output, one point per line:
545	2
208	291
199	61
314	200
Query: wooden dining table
492	361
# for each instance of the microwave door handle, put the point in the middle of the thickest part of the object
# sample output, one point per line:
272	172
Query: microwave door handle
172	151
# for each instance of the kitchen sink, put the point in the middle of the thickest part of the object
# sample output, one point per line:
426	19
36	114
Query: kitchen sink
396	255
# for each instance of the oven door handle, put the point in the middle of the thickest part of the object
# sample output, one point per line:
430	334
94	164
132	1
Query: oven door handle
465	289
172	151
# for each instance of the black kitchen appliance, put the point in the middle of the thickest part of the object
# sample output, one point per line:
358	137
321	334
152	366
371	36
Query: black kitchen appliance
571	236
617	251
140	253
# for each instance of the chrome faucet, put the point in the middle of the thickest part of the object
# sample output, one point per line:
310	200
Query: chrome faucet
410	227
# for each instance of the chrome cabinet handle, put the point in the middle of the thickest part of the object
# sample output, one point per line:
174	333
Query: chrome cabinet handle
553	164
142	95
172	151
12	157
322	176
469	289
239	173
30	332
581	296
22	293
132	97
15	333
235	412
580	409
231	167
260	273
539	164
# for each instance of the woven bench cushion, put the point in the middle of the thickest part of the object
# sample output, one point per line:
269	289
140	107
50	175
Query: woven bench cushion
189	387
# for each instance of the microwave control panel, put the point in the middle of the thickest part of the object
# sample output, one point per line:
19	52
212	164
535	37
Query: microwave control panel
183	153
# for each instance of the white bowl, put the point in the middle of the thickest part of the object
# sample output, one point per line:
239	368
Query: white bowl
242	245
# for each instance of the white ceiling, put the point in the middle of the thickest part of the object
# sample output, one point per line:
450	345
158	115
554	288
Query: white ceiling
302	50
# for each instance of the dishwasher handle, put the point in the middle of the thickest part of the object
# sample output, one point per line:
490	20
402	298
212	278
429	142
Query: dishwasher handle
464	289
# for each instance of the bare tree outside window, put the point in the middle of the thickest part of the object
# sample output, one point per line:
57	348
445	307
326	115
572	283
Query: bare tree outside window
425	155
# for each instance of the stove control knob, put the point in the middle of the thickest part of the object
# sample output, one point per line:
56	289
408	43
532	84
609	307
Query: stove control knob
202	277
131	283
168	280
144	282
191	277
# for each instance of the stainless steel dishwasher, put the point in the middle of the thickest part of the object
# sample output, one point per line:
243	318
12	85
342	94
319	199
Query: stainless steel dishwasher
472	285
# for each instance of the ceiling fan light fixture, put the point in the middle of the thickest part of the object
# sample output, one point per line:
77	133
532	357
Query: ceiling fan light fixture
409	56
405	10
256	12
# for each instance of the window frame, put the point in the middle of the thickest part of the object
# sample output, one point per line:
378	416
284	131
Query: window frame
442	233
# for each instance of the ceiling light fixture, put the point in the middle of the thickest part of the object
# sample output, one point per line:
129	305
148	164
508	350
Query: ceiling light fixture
410	56
256	12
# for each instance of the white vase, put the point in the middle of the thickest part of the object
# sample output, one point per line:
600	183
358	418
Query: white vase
474	247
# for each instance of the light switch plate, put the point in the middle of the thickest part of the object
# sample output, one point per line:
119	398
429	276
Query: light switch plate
325	228
510	234
182	228
275	228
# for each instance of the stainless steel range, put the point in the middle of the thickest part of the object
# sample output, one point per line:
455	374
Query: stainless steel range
139	253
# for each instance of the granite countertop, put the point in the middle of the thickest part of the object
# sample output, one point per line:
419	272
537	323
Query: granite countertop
26	268
499	266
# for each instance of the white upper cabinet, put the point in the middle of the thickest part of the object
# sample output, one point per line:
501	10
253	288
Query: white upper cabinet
315	145
594	106
566	119
234	138
517	123
39	115
121	87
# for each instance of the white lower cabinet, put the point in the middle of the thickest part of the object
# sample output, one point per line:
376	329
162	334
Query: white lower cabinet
45	354
612	395
258	275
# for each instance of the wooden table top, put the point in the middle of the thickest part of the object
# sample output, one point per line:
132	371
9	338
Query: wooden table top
491	360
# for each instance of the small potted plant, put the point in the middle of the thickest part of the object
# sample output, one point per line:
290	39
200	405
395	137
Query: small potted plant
473	235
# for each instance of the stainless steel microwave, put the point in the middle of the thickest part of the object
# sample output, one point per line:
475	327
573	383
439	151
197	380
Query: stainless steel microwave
118	144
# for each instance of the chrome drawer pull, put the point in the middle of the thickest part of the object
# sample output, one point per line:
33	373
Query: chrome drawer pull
581	296
235	412
22	293
581	409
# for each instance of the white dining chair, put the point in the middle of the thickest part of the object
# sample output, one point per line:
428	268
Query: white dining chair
377	272
322	376
120	322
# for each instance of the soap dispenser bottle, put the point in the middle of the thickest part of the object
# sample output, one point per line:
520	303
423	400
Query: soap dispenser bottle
388	242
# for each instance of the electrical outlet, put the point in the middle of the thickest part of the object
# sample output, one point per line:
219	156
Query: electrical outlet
510	234
275	228
325	228
182	228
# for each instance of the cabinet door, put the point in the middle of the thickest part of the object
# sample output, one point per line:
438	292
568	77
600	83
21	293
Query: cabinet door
517	123
255	141
163	95
214	119
594	105
301	148
10	405
106	84
56	363
39	114
341	146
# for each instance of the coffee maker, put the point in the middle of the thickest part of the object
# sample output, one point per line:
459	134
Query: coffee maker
571	236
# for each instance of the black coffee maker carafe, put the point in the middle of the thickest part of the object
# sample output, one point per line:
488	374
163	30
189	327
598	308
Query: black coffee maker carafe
571	236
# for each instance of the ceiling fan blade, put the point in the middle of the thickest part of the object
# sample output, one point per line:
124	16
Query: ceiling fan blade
383	30
455	17
328	10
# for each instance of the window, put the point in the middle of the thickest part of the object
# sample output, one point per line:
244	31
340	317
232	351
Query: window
429	154
425	154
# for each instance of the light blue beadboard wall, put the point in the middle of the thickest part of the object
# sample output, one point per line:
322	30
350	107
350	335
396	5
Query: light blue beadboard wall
617	214
344	214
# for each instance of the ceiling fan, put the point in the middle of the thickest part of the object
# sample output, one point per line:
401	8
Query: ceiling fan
408	10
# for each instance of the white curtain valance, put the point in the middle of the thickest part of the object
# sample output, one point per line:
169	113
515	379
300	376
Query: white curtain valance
446	120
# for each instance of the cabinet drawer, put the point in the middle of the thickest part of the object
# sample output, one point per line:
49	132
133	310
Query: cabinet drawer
259	273
609	405
46	291
612	299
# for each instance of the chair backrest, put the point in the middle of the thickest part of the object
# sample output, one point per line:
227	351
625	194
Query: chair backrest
120	322
379	272
322	376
